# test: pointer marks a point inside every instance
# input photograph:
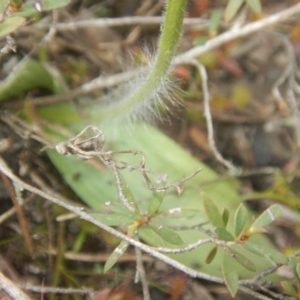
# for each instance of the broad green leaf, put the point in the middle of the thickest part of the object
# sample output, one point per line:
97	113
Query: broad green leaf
272	255
243	260
114	257
232	8
225	216
167	234
155	202
229	274
114	219
176	213
211	255
31	75
10	25
212	211
113	213
240	220
289	288
255	5
28	9
268	216
224	234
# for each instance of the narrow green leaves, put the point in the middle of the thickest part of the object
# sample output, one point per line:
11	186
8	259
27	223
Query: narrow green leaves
211	255
155	203
255	5
126	195
223	234
232	8
29	8
234	5
114	257
167	234
243	260
273	256
214	22
212	211
225	216
229	274
267	217
10	25
289	288
293	262
240	220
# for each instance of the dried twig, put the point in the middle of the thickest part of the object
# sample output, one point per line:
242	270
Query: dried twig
21	218
91	147
234	33
47	38
207	114
47	289
10	288
124	21
141	274
57	199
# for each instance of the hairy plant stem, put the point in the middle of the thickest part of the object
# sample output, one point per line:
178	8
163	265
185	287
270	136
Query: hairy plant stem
171	30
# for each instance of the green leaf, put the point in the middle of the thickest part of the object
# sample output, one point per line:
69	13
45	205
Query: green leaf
28	9
3	6
298	270
112	213
223	234
10	25
128	194
289	288
229	274
155	202
225	216
273	256
211	255
240	220
243	260
212	211
167	234
114	219
232	8
268	216
200	40
214	22
255	5
293	264
114	257
30	76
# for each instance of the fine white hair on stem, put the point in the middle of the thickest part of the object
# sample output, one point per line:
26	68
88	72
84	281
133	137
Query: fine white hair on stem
229	35
208	117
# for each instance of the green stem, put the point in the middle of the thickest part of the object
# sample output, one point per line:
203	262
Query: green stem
167	45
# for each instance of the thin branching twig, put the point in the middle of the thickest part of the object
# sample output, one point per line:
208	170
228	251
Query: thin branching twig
207	114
